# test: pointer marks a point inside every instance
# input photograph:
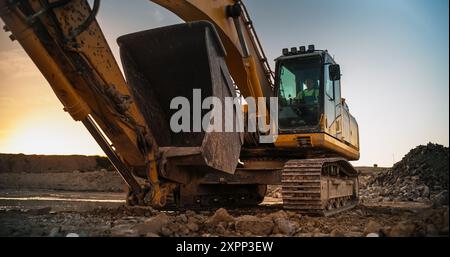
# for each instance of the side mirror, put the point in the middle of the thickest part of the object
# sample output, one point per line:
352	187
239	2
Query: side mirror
335	72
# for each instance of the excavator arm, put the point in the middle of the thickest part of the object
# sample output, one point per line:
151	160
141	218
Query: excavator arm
66	43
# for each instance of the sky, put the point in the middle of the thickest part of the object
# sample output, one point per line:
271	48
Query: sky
394	57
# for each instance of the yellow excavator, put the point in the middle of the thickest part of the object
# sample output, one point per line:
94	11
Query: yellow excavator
218	52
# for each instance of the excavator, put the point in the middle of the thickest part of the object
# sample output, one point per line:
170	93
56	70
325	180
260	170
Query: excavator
216	50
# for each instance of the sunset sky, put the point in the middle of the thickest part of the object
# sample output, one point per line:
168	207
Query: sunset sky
394	56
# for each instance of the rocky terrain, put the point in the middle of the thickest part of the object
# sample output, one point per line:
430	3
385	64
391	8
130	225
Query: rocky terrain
421	176
409	199
372	221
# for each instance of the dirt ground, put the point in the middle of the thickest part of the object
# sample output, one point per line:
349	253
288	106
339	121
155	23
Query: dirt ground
96	181
60	213
88	204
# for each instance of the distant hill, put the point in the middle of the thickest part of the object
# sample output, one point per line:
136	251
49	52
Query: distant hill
12	163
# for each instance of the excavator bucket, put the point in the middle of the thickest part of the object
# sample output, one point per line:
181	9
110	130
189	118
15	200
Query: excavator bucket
164	63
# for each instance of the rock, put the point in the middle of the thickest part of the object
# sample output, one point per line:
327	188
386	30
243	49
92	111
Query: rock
54	232
336	233
166	231
372	227
83	234
151	235
254	225
440	199
372	235
445	218
284	226
384	231
402	229
431	230
304	235
190	213
292	214
221	215
277	235
359	212
320	234
426	192
72	235
124	230
355	228
184	218
199	218
153	224
279	214
173	227
192	226
353	234
282	223
220	229
184	230
420	199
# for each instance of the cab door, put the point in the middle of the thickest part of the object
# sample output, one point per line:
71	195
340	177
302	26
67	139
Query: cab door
333	108
329	101
346	129
339	110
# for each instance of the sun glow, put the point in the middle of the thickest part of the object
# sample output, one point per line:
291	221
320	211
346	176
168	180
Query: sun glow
51	134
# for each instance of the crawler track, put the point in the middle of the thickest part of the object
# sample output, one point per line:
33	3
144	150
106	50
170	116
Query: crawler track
202	201
321	187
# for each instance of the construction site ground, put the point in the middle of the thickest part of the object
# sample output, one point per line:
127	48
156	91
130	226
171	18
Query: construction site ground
61	213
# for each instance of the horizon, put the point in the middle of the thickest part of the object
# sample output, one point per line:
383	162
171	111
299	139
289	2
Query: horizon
395	86
104	156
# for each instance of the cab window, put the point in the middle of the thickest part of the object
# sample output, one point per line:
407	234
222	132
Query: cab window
298	93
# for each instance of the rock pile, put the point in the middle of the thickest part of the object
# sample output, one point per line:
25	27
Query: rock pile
422	175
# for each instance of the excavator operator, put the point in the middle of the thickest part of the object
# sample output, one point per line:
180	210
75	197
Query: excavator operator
308	99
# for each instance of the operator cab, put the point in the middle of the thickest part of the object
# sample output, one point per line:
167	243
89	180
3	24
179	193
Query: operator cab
302	76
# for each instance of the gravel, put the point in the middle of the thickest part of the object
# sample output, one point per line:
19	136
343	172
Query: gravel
421	176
